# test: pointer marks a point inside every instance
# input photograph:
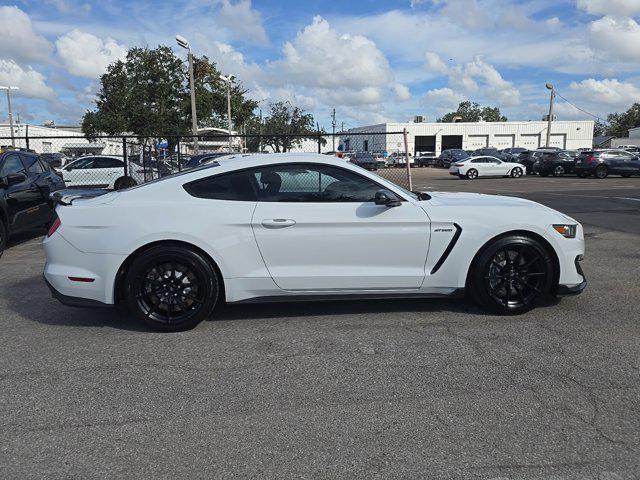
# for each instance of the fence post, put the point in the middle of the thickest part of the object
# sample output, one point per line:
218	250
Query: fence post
319	143
124	155
406	158
179	157
27	137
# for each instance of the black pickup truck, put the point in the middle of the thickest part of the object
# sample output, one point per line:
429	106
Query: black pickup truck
26	182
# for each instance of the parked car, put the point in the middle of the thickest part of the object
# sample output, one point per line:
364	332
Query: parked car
486	152
289	226
197	160
555	163
452	155
605	162
631	148
382	161
474	167
102	171
26	182
399	160
54	160
528	158
511	154
426	159
364	160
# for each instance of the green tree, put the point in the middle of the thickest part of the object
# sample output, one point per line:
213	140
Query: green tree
473	112
620	123
599	128
287	125
147	94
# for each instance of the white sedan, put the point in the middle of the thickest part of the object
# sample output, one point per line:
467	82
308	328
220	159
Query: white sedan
252	228
103	171
474	167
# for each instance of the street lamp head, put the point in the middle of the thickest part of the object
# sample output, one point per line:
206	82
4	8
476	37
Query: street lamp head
183	42
549	86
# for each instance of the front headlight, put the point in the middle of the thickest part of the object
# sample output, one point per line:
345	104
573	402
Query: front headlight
566	230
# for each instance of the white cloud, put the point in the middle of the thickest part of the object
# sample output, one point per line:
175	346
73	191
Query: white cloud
443	100
30	82
435	64
402	91
616	38
608	92
243	22
19	41
464	12
610	7
86	55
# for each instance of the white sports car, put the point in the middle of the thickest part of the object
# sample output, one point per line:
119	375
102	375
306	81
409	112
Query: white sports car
474	167
103	171
259	227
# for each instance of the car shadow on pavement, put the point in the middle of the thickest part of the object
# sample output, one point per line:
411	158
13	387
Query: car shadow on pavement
22	237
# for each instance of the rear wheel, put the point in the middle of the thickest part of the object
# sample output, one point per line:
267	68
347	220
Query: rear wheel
512	275
171	288
516	172
472	174
602	172
558	171
124	182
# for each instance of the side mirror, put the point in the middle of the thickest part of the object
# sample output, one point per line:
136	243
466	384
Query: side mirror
387	198
15	178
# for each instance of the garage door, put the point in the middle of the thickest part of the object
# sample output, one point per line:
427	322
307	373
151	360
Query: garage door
531	141
504	141
477	141
558	140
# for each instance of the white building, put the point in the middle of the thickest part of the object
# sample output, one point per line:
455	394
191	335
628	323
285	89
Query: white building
436	137
634	139
68	141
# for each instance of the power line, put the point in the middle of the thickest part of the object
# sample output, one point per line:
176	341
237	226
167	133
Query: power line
578	108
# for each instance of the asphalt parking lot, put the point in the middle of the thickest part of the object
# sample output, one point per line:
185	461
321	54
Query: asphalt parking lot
375	389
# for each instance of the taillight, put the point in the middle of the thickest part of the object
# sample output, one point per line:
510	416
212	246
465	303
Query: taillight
592	159
458	164
54	226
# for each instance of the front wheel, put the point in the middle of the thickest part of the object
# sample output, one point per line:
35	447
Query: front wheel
602	172
512	275
171	288
558	171
516	172
472	174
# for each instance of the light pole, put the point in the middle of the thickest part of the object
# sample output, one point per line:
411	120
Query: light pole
8	89
553	96
228	81
182	42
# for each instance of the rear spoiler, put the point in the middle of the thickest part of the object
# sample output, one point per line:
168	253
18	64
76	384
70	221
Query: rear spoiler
66	197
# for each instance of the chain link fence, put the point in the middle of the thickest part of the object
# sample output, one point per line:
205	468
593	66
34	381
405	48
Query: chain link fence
116	162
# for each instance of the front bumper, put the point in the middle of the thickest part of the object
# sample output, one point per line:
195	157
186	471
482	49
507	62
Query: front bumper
577	289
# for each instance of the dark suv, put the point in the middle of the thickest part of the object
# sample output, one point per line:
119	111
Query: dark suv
365	160
25	184
511	154
602	163
555	163
453	155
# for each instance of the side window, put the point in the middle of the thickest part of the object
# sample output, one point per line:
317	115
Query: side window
106	162
230	186
12	164
312	183
45	166
81	164
31	164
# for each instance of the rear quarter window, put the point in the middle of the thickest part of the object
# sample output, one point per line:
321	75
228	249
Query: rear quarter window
230	186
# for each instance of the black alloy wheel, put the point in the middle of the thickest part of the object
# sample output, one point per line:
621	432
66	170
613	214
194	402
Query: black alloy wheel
558	171
171	288
602	172
472	174
516	172
513	275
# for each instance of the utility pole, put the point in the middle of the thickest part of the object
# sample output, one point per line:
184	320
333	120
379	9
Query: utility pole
228	79
182	42
260	138
333	124
553	96
8	89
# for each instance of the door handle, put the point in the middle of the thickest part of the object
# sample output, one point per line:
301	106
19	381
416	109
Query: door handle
278	223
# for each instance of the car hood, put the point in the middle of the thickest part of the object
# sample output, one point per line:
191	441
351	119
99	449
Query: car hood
486	203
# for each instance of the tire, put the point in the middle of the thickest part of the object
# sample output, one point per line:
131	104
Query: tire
472	174
171	288
512	275
4	235
516	172
558	171
601	172
124	182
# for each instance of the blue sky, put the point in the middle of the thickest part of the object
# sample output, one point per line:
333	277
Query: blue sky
372	60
